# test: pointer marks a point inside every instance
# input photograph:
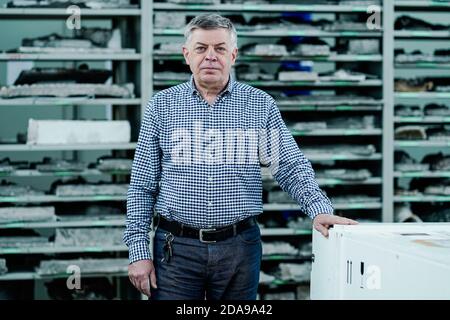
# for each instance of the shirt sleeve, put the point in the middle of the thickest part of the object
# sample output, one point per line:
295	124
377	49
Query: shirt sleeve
289	166
144	187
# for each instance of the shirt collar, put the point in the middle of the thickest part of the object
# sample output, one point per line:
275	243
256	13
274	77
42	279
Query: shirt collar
228	89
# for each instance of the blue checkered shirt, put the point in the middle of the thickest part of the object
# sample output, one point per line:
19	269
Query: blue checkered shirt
182	171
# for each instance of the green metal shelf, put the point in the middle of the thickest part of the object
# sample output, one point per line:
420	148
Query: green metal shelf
423	143
422	174
425	119
284	257
36	173
17	276
67	102
64	224
56	12
430	5
56	199
70	57
344	157
423	65
79	147
330	108
285	232
284	33
337	132
258	7
318	84
349	206
52	249
417	34
422	95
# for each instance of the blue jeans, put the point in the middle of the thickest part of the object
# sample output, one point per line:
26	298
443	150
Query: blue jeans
225	270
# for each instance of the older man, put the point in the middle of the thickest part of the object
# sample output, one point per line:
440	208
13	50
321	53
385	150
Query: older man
205	191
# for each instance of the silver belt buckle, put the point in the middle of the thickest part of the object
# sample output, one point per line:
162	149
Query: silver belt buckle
201	235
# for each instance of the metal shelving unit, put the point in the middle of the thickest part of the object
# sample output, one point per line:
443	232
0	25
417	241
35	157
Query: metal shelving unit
422	40
291	106
285	257
139	19
256	58
68	102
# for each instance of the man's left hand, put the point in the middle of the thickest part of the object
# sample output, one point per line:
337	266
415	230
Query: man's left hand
322	222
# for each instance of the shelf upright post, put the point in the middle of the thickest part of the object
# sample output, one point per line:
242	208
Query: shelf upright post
146	53
388	112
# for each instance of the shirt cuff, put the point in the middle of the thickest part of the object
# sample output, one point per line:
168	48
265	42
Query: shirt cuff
139	251
319	208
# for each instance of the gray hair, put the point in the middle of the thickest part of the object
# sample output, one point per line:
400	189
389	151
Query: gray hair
209	21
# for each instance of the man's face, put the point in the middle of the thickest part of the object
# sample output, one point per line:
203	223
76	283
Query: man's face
210	55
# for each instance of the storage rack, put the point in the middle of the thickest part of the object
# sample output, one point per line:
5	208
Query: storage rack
421	39
128	67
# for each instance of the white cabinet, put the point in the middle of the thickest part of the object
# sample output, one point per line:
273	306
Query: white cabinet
382	261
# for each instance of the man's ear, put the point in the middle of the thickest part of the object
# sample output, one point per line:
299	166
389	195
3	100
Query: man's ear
234	54
186	54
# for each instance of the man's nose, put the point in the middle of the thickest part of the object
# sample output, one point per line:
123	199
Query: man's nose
210	54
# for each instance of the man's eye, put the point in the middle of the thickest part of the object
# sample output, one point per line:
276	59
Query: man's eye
200	49
221	49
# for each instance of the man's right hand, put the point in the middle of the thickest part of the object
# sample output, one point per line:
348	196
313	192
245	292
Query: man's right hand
142	275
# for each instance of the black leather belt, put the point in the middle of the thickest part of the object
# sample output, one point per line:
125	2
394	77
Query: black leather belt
210	235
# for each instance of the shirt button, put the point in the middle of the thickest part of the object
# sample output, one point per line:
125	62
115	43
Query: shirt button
210	179
209	204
